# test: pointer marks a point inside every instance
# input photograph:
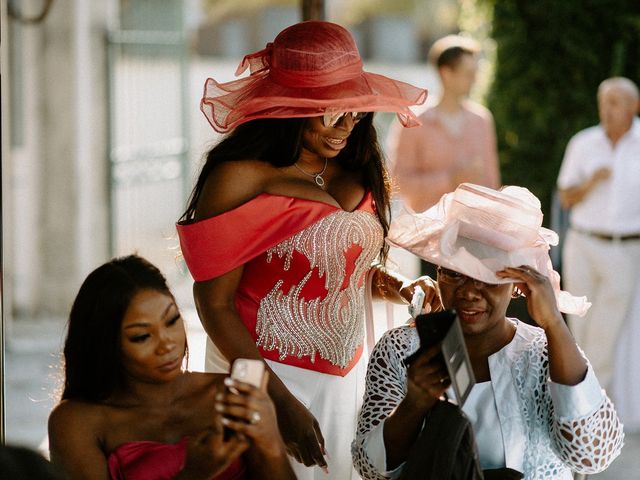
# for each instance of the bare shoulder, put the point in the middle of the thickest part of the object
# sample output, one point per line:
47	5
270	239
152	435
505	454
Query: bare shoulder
231	184
71	416
76	440
76	437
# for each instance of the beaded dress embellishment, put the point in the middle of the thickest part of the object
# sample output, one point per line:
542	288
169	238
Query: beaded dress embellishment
333	326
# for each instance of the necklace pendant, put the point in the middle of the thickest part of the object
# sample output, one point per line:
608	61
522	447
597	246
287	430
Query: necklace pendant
317	177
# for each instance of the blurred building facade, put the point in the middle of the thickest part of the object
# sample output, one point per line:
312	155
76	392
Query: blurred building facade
54	202
102	136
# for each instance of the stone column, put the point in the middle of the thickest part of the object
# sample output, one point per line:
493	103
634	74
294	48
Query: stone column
73	222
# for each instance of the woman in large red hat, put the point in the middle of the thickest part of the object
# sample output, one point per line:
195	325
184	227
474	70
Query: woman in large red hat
284	230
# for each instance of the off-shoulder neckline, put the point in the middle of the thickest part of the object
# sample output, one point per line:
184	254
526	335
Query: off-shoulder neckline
251	201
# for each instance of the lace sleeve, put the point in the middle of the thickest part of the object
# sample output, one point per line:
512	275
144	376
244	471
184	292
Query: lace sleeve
589	444
586	443
385	389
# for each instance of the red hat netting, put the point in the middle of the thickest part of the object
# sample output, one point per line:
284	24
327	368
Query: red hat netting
310	67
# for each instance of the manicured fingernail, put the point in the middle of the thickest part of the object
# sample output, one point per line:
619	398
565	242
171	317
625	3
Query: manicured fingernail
225	421
228	381
325	469
219	397
219	407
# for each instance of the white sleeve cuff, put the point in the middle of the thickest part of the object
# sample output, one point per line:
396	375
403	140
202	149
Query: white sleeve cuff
377	454
575	401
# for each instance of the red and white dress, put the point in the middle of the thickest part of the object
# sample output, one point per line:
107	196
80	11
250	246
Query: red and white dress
301	298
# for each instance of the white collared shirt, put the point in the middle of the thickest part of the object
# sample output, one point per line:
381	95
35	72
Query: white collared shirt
613	206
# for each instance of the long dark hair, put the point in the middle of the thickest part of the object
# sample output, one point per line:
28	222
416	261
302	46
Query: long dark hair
279	142
92	360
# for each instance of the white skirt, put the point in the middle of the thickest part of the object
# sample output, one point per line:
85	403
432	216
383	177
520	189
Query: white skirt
335	402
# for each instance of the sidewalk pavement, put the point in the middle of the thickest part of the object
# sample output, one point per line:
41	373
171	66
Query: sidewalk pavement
33	382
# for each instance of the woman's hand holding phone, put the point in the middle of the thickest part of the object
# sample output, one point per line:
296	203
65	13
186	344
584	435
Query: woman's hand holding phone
245	406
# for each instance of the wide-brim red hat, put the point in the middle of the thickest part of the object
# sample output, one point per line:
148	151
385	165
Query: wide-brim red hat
310	67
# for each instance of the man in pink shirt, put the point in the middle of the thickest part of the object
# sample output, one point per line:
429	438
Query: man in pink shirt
456	142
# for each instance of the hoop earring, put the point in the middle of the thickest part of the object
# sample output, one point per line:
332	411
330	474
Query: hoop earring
516	293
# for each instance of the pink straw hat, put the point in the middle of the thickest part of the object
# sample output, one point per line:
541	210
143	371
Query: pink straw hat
478	231
310	67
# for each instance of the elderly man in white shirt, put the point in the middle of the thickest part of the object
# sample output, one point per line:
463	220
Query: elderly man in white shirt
599	182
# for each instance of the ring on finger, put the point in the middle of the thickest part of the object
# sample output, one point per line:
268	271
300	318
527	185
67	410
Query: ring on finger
255	418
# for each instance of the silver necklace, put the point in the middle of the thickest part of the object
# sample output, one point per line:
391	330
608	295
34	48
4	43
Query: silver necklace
317	177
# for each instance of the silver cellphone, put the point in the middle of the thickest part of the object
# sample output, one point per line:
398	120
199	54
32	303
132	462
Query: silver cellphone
248	371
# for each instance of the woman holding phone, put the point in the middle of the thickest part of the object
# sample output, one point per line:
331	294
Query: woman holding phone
536	407
130	410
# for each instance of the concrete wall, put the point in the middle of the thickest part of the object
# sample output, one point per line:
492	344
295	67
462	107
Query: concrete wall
56	198
56	229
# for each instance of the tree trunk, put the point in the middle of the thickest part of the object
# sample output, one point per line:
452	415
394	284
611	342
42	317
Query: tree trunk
313	10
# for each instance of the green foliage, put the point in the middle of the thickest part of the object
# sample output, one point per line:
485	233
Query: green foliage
551	56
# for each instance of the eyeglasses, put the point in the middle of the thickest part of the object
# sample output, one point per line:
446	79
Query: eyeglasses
331	118
458	279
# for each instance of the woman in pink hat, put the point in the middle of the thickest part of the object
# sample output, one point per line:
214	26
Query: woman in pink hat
536	406
284	230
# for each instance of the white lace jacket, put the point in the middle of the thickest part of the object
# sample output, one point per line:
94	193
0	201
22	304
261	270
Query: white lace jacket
548	429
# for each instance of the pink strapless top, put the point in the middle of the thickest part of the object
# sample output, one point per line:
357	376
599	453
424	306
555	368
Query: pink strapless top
159	461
